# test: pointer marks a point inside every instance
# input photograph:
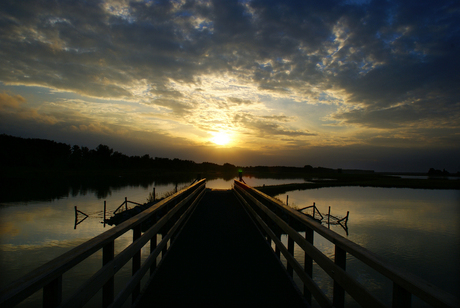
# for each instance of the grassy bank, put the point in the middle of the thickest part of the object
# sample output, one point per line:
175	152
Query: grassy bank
364	181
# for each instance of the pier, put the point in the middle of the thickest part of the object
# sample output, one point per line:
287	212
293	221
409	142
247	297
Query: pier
219	248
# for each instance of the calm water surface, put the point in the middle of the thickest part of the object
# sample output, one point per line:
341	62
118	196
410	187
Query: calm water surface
417	230
413	229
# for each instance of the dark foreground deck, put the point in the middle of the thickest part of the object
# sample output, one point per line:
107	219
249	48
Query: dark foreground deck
220	259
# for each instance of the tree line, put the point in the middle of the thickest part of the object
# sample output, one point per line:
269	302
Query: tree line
42	153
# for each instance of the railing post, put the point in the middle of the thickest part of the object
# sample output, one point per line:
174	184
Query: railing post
126	203
165	247
108	290
339	293
153	245
290	248
308	264
136	262
401	297
277	250
52	293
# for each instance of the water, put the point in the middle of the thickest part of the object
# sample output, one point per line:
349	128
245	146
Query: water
414	229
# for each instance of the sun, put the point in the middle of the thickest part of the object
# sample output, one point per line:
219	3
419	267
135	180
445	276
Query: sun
220	138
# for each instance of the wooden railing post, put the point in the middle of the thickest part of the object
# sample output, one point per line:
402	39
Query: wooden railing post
136	262
105	209
339	293
401	297
165	248
277	249
308	264
52	293
108	290
290	248
153	245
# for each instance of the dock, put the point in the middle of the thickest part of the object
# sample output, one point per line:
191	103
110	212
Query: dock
220	259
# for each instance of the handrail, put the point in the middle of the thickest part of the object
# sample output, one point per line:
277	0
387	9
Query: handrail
49	275
268	210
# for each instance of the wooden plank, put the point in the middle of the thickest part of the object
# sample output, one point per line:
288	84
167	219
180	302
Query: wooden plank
415	285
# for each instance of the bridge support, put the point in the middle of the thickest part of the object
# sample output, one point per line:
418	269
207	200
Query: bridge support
108	290
401	297
136	262
339	293
52	293
308	265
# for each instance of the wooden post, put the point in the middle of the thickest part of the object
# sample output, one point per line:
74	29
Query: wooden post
52	293
154	194
290	248
314	210
153	245
126	203
108	290
328	216
277	250
401	297
339	293
136	262
165	247
76	217
308	265
287	199
105	208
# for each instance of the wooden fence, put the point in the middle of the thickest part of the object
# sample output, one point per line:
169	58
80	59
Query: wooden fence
166	217
274	219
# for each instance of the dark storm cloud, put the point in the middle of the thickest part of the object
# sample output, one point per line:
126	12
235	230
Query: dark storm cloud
267	126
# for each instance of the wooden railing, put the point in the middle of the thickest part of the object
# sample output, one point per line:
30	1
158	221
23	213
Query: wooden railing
165	217
274	219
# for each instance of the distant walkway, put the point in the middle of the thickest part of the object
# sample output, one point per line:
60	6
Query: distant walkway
221	260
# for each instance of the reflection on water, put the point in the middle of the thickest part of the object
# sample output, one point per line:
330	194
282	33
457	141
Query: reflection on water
414	229
34	232
251	181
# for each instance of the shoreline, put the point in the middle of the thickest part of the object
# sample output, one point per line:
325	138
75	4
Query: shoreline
393	182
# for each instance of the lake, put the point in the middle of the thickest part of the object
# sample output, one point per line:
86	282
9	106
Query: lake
414	229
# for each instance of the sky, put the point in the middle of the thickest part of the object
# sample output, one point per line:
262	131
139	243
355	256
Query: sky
339	84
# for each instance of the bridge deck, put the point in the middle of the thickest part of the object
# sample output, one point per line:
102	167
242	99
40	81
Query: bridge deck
220	259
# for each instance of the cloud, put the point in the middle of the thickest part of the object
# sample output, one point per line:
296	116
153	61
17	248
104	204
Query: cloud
11	102
15	106
215	65
239	101
266	127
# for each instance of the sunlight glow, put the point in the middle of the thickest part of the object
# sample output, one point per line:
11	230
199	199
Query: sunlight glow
220	138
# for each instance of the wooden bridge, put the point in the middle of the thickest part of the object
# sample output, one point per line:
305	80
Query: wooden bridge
216	250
